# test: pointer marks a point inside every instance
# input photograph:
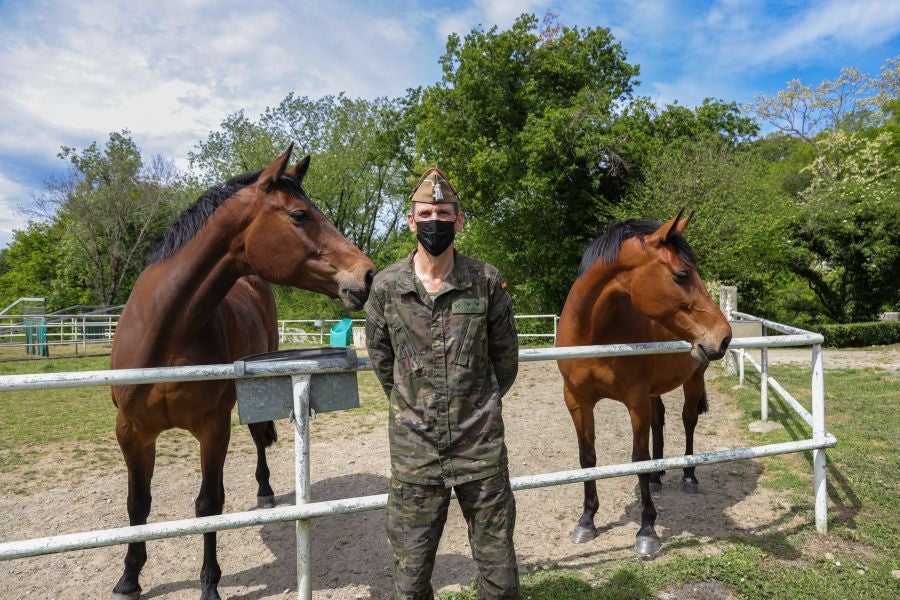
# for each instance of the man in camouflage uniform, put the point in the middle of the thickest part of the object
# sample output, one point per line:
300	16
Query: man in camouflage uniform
442	340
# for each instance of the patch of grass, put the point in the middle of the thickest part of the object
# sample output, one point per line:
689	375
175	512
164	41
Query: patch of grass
39	418
749	572
94	350
861	408
549	584
753	574
78	424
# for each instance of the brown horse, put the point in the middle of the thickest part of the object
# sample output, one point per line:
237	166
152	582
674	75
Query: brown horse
638	282
204	299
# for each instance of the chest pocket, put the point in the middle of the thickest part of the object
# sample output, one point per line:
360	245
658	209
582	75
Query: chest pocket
407	357
474	341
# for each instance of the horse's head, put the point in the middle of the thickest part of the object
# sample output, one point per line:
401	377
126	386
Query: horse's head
291	242
666	286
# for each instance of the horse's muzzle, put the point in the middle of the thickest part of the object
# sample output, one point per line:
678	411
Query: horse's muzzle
355	297
716	354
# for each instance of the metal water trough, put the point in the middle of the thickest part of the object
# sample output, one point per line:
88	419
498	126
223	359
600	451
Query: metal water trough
296	397
268	398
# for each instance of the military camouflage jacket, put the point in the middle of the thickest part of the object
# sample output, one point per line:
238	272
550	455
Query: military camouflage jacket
444	364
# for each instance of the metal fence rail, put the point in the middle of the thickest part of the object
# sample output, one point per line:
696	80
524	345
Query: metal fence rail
82	330
301	513
169	529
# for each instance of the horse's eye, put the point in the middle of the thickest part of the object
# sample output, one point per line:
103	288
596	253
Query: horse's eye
298	216
681	276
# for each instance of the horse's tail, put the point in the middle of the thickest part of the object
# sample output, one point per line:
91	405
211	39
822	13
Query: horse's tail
702	405
264	433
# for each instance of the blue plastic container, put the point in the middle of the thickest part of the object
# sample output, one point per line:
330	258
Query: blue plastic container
342	333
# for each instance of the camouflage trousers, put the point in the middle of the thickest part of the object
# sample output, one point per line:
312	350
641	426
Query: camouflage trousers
415	521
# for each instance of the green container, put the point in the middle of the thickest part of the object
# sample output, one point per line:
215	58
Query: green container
342	333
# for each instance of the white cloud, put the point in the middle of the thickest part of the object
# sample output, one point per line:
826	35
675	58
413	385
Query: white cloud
505	12
170	72
12	195
821	28
743	35
486	13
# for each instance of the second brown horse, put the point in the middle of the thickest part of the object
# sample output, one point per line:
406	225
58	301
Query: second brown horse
638	282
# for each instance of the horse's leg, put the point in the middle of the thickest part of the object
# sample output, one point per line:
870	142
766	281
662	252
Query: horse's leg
213	448
695	404
140	456
264	435
583	418
656	427
641	413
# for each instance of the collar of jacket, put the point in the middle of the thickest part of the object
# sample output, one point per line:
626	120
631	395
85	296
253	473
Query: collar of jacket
459	277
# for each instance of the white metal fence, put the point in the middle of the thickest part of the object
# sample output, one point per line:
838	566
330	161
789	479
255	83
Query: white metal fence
64	330
79	331
315	331
303	512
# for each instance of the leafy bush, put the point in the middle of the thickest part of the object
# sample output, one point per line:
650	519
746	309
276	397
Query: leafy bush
853	335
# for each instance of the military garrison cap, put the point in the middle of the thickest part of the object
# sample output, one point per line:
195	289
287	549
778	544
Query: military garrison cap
434	188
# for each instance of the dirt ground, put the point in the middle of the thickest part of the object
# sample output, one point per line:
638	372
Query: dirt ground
351	554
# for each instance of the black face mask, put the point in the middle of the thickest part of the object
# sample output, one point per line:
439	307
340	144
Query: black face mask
435	236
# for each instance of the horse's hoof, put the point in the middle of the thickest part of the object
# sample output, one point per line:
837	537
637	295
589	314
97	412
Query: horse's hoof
265	501
655	486
582	535
690	487
647	545
135	595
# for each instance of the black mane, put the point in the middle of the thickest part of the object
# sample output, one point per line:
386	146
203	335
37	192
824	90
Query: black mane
606	246
198	212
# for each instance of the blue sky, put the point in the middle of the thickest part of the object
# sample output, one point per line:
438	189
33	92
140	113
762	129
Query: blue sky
169	72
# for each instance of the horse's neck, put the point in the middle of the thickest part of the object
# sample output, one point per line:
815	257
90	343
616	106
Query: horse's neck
596	302
189	285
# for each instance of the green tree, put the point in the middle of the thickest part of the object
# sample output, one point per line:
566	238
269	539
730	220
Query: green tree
847	235
110	205
239	146
36	264
520	122
360	167
843	239
360	174
736	208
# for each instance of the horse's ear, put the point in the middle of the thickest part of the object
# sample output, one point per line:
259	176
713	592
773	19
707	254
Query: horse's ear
661	235
674	226
275	170
298	171
682	225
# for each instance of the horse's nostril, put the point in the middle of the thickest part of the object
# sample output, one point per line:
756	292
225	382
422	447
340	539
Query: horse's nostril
724	347
370	275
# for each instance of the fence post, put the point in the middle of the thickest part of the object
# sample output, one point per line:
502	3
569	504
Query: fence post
764	381
84	334
300	385
728	304
818	413
741	367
